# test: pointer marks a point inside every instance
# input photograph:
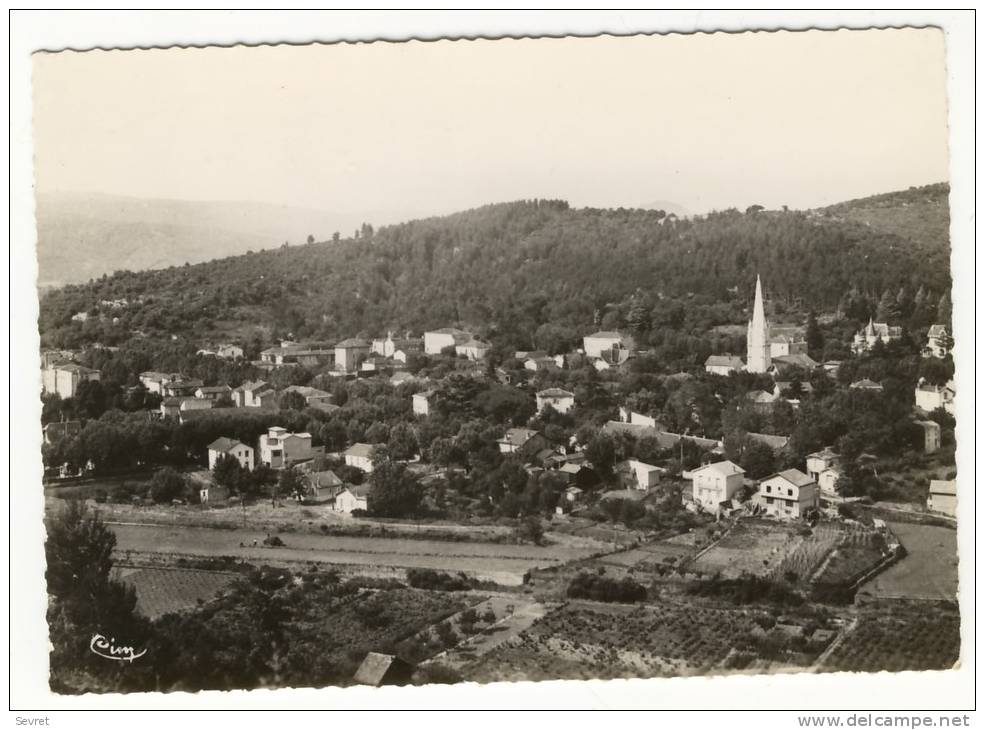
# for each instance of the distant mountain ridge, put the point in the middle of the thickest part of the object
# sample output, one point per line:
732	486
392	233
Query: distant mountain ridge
85	235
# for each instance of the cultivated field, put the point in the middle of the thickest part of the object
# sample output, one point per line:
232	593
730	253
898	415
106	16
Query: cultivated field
502	563
752	546
929	570
898	638
166	590
585	640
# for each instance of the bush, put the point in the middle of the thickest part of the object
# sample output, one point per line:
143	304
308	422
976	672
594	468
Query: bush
167	485
610	590
273	541
748	589
433	580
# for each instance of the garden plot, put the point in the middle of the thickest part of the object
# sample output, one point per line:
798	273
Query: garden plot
589	640
168	590
900	638
753	547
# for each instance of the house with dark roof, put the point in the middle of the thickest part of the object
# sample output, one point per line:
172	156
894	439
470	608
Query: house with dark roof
788	495
213	392
557	398
724	364
776	443
230	447
523	442
350	353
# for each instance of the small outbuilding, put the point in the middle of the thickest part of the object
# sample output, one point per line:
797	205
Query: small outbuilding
383	669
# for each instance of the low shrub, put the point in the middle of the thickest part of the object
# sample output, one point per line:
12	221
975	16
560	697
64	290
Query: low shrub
611	590
434	580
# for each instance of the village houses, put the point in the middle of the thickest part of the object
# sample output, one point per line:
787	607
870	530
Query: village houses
474	349
636	474
788	495
360	456
928	398
280	449
597	343
713	484
867	337
65	378
230	447
724	364
350	353
351	498
523	442
560	400
931	435
437	340
938	342
213	392
421	403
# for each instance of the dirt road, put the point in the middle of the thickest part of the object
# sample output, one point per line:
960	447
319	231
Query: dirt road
505	564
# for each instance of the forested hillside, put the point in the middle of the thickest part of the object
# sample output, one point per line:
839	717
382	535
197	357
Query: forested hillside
510	270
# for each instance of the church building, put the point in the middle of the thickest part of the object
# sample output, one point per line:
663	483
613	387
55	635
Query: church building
758	358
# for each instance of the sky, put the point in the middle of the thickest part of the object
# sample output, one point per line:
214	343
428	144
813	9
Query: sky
706	121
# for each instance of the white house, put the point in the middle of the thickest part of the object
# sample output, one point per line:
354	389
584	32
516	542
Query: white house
827	480
65	378
155	381
352	498
937	341
943	497
422	402
213	392
230	447
819	461
279	449
929	398
724	364
639	419
473	349
350	353
641	475
360	456
560	400
597	343
245	395
713	484
788	494
437	340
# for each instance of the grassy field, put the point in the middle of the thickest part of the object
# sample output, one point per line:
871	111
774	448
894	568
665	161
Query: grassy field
929	570
502	563
166	590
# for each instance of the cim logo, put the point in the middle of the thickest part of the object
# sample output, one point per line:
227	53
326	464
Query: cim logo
108	649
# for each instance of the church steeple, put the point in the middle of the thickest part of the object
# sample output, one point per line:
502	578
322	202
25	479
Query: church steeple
758	336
